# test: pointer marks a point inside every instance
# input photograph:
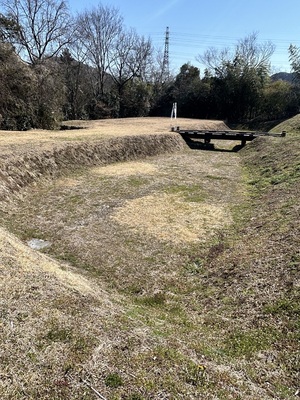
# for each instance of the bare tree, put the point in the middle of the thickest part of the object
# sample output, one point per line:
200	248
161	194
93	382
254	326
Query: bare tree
131	60
98	31
214	59
254	54
238	78
248	52
43	27
131	57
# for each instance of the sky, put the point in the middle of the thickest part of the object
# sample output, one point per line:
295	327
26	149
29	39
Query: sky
196	25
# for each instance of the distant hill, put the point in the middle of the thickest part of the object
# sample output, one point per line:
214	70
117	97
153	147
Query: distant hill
284	76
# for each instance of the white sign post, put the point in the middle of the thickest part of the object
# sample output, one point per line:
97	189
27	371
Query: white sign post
174	111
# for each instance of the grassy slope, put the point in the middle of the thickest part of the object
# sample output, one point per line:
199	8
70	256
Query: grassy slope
266	259
292	126
220	320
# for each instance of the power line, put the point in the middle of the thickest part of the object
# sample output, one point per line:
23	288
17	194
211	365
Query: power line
190	40
183	45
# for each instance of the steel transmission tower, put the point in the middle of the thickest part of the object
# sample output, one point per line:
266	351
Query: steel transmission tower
166	65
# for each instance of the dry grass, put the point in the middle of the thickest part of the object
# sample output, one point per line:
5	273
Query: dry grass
170	218
179	281
30	262
95	130
50	316
126	169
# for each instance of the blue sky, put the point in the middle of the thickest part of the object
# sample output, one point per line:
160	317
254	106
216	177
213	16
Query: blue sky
196	25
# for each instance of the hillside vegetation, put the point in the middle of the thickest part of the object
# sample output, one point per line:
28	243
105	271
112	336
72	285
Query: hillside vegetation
46	79
171	273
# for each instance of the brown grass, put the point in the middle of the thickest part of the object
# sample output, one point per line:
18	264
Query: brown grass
95	130
170	218
179	276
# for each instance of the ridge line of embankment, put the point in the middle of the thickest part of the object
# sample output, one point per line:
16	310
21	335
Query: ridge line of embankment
19	171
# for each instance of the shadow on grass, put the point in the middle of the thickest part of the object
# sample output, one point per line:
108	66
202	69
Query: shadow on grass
196	145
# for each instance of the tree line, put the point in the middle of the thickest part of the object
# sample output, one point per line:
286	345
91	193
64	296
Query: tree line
54	66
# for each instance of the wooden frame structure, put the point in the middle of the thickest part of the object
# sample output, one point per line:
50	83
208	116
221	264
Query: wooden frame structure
208	135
